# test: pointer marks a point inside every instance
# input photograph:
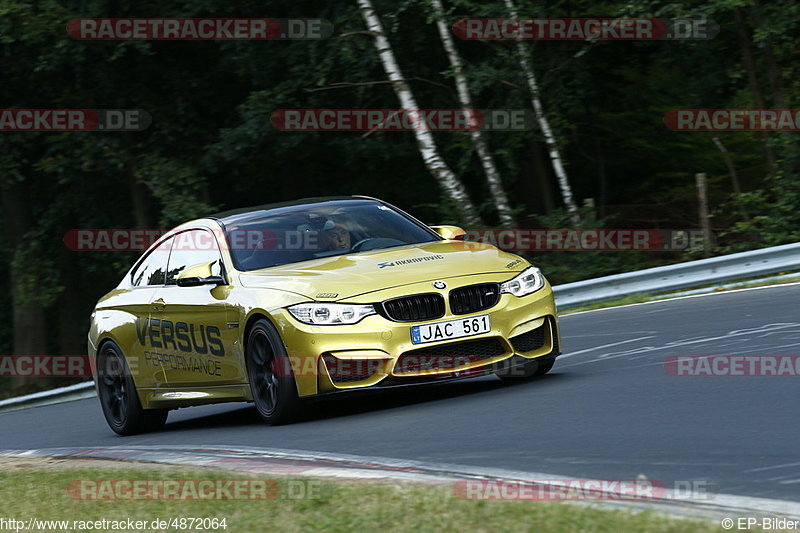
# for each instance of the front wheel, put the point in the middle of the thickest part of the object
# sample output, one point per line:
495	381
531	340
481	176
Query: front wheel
271	379
118	397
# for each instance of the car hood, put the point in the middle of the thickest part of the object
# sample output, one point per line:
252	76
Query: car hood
345	276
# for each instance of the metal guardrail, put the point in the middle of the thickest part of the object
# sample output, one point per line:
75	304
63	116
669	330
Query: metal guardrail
63	394
687	275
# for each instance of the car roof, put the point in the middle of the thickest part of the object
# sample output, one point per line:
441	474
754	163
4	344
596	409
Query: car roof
234	216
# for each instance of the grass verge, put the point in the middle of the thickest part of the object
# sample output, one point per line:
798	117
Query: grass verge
311	505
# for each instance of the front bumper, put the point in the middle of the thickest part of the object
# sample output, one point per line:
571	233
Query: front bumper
378	352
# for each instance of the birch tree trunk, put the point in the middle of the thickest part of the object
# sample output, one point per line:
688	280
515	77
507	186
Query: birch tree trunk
465	99
549	138
425	142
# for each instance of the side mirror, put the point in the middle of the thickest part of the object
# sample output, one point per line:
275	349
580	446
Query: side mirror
453	233
200	274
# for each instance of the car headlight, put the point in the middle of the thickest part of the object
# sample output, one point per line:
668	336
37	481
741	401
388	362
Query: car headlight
528	281
328	314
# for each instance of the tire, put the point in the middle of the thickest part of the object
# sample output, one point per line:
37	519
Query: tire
118	398
272	382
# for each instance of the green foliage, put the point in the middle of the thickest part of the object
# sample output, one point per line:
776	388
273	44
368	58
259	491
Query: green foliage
212	147
567	266
775	216
179	189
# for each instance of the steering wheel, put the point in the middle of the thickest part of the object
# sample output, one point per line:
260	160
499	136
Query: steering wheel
371	243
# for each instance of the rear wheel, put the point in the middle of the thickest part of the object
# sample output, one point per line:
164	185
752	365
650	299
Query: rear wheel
118	397
272	382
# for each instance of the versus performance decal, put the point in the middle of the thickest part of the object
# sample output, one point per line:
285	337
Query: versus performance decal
162	333
181	336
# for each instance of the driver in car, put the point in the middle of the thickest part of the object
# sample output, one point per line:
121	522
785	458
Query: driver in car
336	238
330	235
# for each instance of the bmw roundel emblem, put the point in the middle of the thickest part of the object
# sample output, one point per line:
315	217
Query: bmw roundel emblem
439	285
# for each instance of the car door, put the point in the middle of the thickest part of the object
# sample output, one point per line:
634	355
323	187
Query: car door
136	303
195	326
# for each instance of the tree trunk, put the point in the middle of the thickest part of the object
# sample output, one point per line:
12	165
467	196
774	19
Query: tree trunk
726	156
549	137
755	87
138	194
425	142
29	321
705	223
465	99
542	177
601	178
72	324
773	71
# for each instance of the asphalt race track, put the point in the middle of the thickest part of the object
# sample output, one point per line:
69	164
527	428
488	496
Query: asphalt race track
608	410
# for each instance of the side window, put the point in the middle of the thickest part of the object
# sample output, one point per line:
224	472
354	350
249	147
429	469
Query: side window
192	248
153	270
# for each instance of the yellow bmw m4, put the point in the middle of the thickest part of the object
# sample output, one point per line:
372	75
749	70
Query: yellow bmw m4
284	302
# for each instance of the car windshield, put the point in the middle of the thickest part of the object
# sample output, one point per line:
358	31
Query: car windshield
291	234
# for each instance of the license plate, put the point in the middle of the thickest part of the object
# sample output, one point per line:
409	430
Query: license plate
450	329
